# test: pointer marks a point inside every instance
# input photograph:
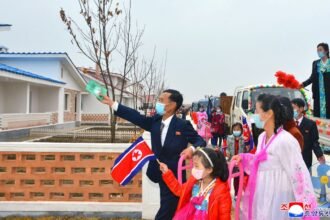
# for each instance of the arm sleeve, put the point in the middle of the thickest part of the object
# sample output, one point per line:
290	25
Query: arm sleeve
315	138
224	208
248	158
134	117
115	106
192	136
294	165
172	183
310	79
247	161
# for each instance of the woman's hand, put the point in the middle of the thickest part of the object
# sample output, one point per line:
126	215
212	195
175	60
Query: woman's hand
237	158
163	167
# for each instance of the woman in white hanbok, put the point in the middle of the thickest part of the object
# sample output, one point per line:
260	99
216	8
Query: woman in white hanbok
278	174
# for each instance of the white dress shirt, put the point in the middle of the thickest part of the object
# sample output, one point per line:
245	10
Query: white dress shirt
165	129
166	123
115	106
300	120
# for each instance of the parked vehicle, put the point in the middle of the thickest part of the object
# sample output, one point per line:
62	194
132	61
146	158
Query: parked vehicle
243	104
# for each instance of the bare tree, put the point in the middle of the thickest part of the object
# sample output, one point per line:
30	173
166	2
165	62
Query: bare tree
97	39
155	82
104	35
130	40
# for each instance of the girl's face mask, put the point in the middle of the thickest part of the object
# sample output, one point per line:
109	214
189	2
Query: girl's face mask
260	123
198	174
237	133
257	121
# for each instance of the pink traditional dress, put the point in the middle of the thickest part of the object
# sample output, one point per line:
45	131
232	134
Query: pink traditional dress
278	175
203	126
197	208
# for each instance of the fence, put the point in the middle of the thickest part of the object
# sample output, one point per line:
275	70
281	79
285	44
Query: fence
10	121
123	133
51	172
94	118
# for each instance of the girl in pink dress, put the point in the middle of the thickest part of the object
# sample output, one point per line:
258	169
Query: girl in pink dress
203	126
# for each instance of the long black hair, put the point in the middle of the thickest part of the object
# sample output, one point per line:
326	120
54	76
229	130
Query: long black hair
325	46
288	108
220	169
271	102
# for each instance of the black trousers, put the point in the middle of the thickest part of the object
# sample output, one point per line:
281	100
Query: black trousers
168	203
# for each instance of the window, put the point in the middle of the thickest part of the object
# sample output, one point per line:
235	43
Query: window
289	93
238	99
245	100
66	102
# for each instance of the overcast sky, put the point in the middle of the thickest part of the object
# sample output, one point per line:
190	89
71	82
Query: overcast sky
212	45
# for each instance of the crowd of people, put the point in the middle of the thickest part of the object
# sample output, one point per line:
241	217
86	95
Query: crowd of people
276	171
281	162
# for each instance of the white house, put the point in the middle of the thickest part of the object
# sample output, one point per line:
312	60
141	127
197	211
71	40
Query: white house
46	88
39	89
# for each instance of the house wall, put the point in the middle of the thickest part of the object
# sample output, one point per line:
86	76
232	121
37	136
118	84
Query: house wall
16	101
48	67
48	99
44	99
91	105
71	83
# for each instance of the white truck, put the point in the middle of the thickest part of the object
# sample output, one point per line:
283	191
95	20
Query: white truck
244	100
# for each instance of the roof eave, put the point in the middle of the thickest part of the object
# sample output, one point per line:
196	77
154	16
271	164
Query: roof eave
15	76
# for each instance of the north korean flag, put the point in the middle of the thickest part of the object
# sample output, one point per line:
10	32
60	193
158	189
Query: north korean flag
129	163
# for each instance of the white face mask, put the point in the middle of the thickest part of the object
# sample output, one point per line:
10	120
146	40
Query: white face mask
197	173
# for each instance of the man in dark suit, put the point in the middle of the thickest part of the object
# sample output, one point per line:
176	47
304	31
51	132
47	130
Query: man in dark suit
169	139
310	133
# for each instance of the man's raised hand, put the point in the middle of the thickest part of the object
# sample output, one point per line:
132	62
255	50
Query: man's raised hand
106	100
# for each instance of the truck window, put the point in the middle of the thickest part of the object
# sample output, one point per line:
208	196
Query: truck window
238	99
289	93
245	100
